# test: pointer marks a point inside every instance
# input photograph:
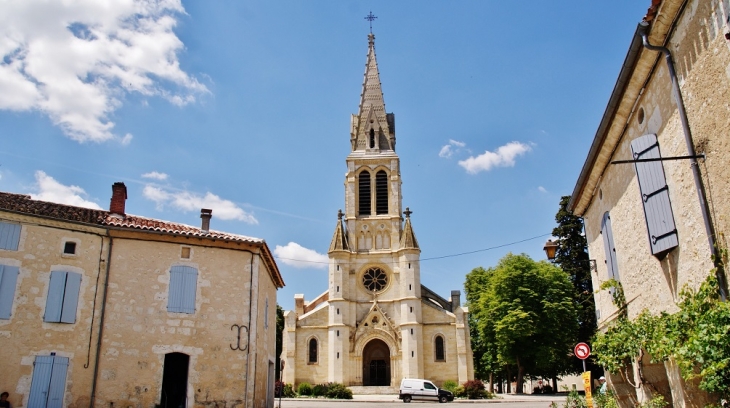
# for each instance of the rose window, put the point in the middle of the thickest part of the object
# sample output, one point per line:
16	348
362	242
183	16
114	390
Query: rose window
375	280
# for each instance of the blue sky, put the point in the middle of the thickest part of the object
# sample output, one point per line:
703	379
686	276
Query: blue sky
244	107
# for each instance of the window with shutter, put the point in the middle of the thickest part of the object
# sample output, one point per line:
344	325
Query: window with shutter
48	384
63	297
609	247
364	207
8	280
9	236
381	192
654	195
183	285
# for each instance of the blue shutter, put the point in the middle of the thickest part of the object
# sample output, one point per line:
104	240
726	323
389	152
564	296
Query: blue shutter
175	292
58	382
609	247
54	303
9	236
70	297
42	368
8	279
190	283
654	195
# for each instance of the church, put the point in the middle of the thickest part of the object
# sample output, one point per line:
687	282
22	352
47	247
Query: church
376	323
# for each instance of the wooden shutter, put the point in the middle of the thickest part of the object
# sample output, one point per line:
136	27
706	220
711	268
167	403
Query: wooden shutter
183	284
381	192
363	189
9	236
8	280
609	247
54	302
57	386
70	297
654	195
41	382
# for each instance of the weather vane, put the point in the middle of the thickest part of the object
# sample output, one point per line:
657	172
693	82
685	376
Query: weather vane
370	17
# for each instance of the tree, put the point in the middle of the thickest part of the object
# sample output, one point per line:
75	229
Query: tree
525	317
572	257
279	339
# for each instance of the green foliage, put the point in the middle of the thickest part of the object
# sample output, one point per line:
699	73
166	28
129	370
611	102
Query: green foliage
338	391
523	315
695	337
605	400
450	385
304	389
285	390
320	390
573	400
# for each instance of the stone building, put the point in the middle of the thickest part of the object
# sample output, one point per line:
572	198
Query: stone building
107	309
651	224
376	323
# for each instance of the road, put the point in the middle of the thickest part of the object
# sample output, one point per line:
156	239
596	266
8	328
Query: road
538	402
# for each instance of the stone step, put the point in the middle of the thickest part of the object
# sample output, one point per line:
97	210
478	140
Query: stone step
379	390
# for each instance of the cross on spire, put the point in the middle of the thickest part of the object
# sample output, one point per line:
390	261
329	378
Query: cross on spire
370	17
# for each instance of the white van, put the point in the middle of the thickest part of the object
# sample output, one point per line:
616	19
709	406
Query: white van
413	388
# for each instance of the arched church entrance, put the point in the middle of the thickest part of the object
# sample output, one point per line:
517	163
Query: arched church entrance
376	363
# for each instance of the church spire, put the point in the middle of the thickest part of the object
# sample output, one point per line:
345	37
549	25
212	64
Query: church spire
372	128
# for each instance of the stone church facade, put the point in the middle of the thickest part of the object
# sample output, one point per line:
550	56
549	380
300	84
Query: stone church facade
376	323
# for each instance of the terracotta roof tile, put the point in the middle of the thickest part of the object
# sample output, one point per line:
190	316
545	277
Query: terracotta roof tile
24	204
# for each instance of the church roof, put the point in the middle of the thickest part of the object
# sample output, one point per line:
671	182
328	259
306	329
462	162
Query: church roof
371	113
408	237
339	240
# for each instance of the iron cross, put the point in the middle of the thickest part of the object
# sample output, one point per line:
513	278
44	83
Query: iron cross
370	17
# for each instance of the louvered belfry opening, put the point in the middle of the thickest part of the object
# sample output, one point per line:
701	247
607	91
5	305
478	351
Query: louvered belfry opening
364	193
381	192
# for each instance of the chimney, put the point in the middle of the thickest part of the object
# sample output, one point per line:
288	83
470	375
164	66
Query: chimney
119	198
455	299
205	215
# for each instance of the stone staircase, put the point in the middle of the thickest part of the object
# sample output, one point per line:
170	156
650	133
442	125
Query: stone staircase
381	390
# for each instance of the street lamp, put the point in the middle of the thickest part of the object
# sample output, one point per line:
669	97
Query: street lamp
550	248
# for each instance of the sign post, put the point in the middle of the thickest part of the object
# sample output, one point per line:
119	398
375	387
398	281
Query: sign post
582	351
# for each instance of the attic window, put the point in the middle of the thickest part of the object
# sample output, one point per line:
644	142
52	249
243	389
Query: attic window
69	248
185	252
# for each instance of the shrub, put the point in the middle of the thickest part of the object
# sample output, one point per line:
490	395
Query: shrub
450	385
474	389
459	392
284	390
338	391
320	390
304	389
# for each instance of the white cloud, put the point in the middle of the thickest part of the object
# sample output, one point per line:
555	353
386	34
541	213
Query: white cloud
187	201
126	140
449	149
297	256
504	156
74	61
542	189
51	190
156	175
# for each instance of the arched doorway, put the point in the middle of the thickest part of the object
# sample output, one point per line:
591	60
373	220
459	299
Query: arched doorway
376	363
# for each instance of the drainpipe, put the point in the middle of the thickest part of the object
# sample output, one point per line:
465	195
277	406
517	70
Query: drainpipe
101	322
643	31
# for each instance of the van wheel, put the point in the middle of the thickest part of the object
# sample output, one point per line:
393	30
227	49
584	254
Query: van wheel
442	398
407	398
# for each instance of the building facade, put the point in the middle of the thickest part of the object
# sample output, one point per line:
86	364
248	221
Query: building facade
376	323
652	224
104	309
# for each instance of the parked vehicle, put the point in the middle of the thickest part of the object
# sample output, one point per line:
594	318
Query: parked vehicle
417	389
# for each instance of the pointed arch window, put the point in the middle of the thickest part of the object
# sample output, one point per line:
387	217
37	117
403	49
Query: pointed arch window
312	351
364	206
372	138
381	192
439	347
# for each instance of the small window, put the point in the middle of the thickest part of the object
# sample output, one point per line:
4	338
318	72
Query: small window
69	248
8	279
411	309
411	332
266	315
185	252
183	285
312	351
439	346
372	138
9	236
63	297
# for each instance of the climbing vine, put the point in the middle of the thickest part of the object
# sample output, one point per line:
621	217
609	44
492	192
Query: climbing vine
696	337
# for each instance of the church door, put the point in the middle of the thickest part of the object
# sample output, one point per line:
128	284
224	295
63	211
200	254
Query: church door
376	363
